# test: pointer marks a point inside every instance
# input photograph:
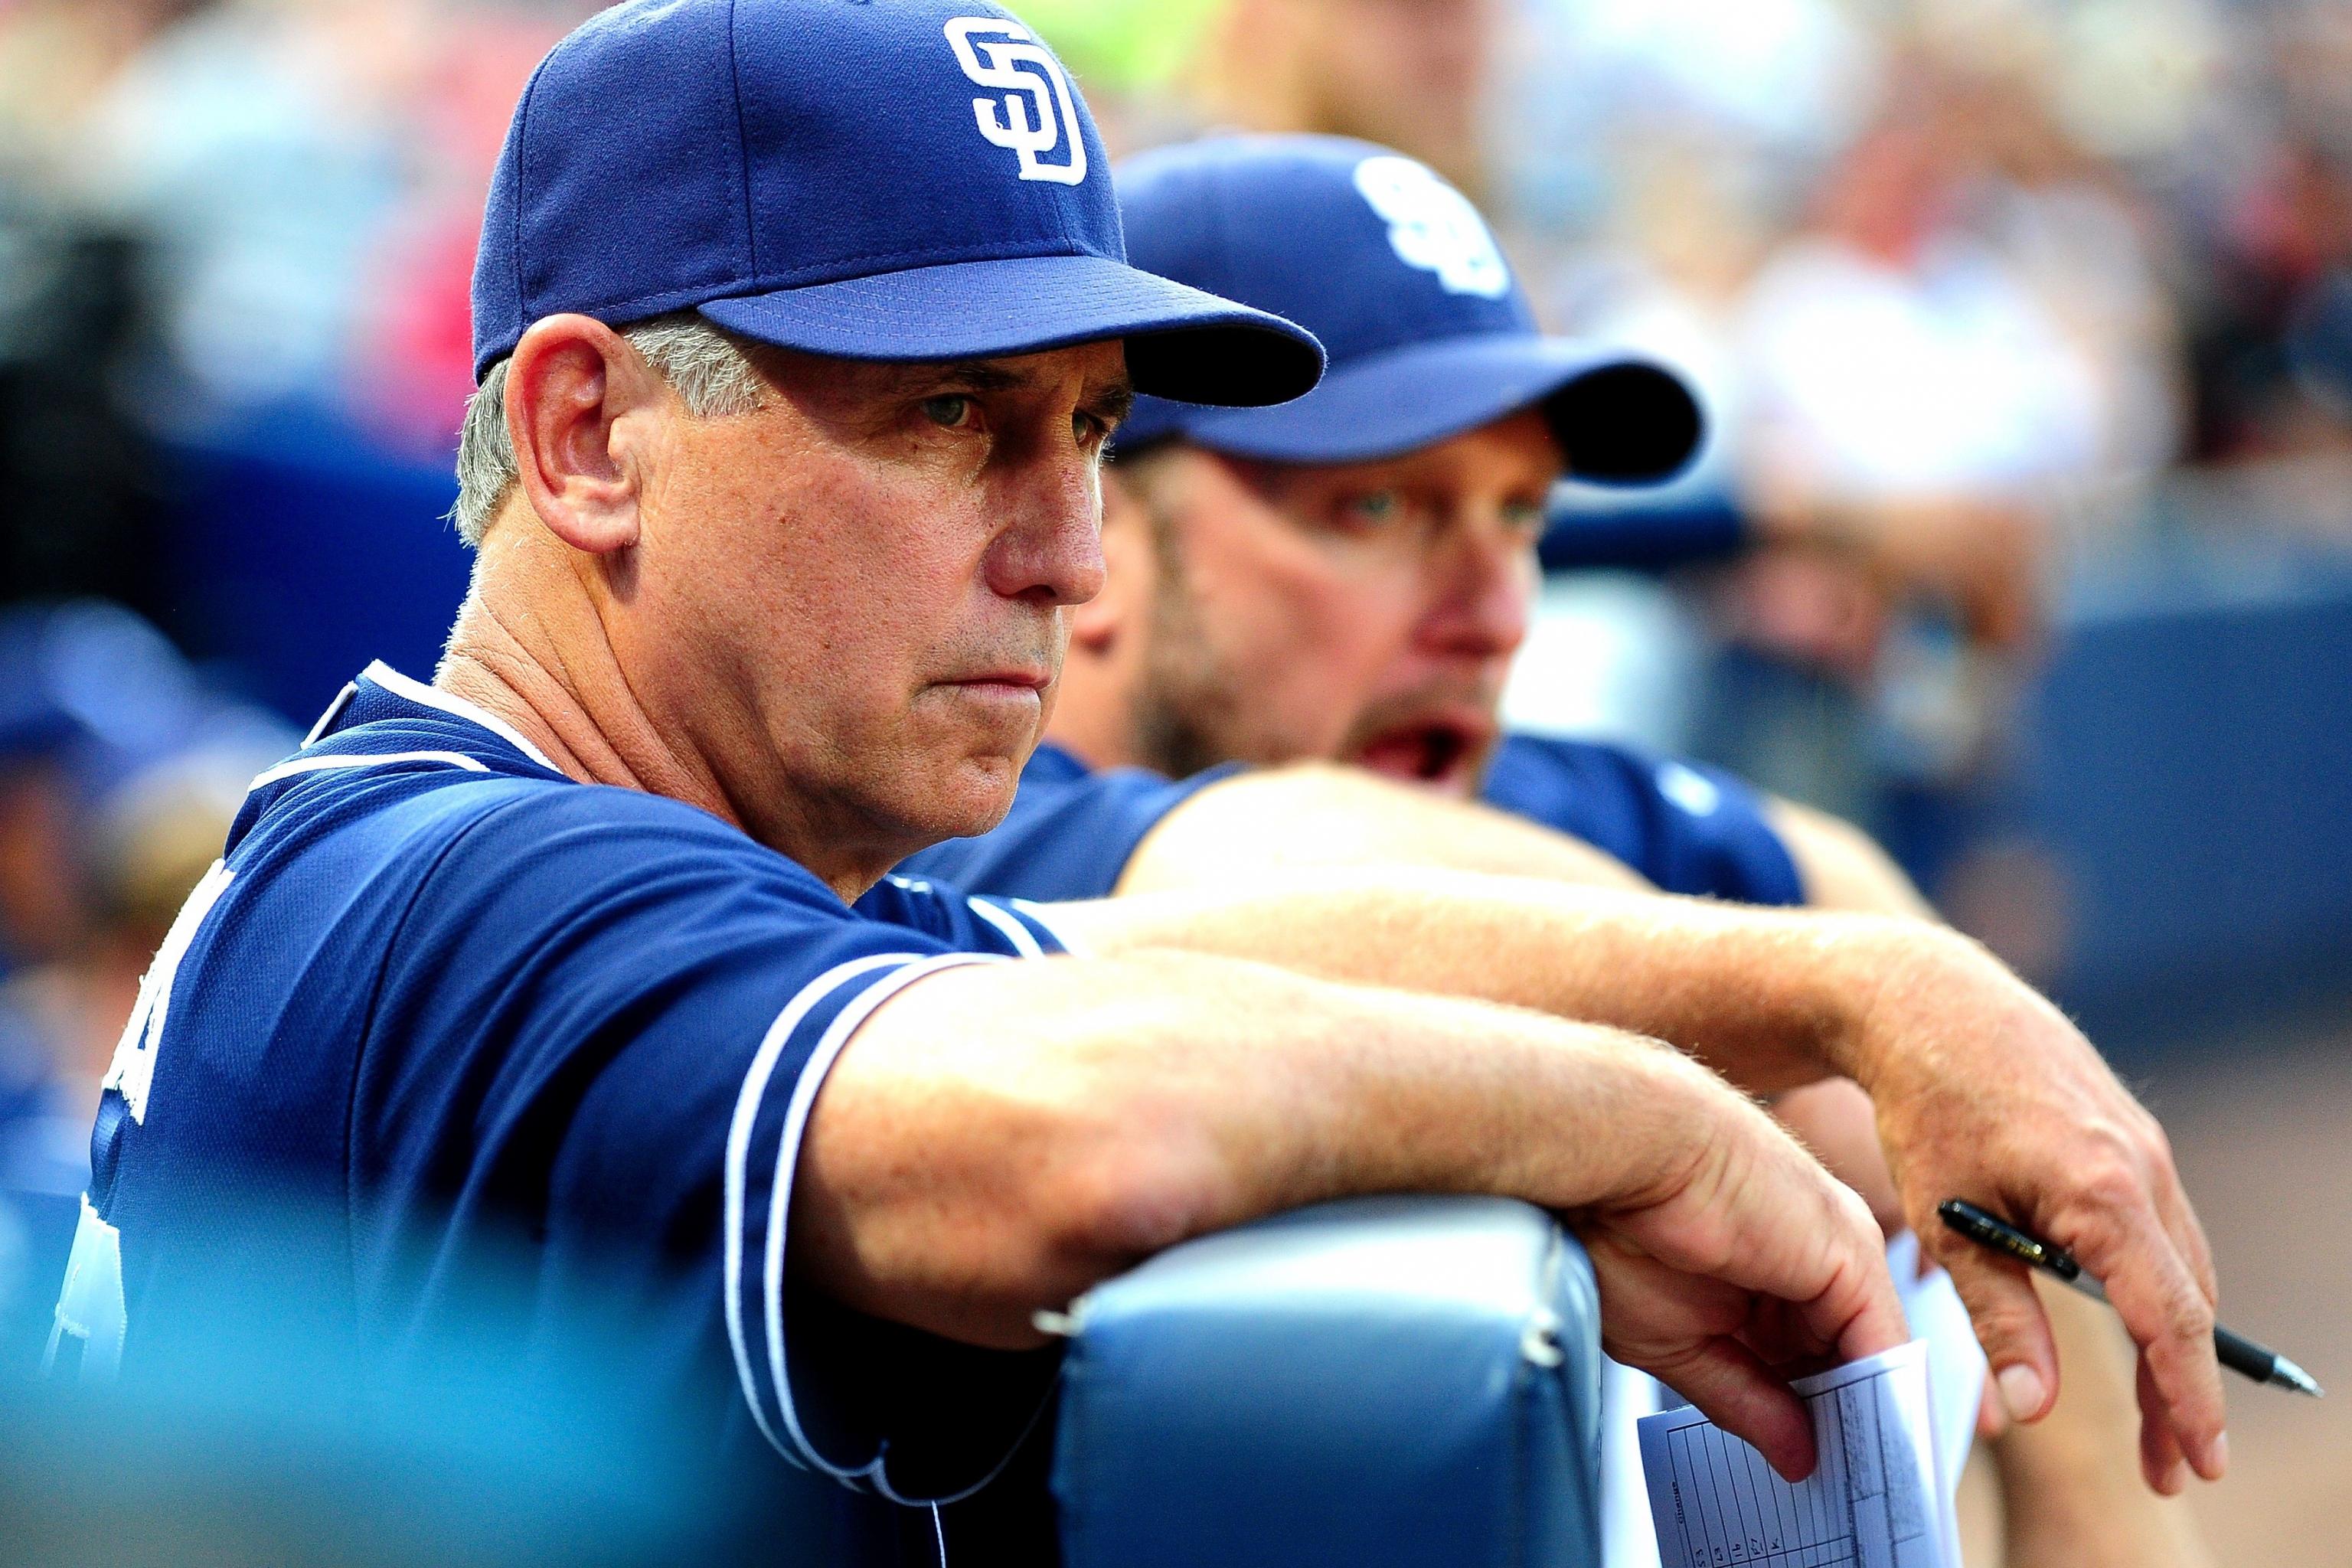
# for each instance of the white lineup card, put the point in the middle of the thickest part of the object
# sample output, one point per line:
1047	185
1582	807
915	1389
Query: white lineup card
1873	1502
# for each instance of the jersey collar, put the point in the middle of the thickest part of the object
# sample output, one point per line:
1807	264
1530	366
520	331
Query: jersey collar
390	680
426	695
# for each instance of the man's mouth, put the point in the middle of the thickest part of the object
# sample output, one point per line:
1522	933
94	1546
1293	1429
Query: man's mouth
1012	680
1439	752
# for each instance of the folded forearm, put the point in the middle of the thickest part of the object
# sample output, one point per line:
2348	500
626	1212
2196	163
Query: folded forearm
996	1140
1770	998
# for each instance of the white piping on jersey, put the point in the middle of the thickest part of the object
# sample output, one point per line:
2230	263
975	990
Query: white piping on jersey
132	1071
910	967
779	1189
320	765
426	695
1024	941
739	1148
334	711
1043	915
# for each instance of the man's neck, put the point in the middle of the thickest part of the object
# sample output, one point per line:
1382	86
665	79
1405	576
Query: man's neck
530	649
539	660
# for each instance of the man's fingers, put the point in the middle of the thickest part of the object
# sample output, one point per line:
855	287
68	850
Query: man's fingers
1740	1395
2170	1318
2159	1451
1855	1309
1878	1323
2010	1325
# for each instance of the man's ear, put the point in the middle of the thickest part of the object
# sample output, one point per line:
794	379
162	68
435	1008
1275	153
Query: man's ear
1128	564
579	402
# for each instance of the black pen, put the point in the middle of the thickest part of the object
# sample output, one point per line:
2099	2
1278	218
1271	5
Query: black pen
2236	1352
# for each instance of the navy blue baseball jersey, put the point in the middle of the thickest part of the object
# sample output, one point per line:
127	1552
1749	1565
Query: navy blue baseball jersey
1686	828
467	1008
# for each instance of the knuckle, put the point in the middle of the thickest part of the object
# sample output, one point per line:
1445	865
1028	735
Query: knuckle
2111	1177
2189	1318
2109	1183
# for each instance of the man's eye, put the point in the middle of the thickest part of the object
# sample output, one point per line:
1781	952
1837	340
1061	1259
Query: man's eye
1378	510
947	410
1524	517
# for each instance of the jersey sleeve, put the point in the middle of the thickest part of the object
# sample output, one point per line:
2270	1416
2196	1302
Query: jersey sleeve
639	1013
1685	826
1068	837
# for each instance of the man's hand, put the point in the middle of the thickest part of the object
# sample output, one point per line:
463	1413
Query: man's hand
1984	1091
1751	1260
1835	1119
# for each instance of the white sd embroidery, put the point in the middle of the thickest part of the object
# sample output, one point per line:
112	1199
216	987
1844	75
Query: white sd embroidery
1432	226
1037	111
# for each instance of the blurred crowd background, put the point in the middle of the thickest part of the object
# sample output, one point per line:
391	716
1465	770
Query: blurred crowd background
2023	534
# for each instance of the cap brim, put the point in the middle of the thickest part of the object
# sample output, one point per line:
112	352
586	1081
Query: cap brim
1180	342
1620	420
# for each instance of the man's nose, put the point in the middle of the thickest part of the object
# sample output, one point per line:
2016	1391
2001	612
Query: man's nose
1481	588
1052	550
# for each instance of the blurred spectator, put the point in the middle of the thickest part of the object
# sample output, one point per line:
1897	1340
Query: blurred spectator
119	775
83	512
59	58
108	739
1406	73
296	167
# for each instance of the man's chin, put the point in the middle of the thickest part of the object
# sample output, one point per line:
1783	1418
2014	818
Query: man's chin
972	798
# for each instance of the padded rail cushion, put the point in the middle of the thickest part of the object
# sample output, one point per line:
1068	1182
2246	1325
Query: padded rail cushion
1392	1381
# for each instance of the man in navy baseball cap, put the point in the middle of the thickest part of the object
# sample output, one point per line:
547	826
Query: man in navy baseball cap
909	181
1417	471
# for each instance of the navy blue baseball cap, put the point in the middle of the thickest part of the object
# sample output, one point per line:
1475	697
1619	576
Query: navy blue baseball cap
907	180
1428	334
